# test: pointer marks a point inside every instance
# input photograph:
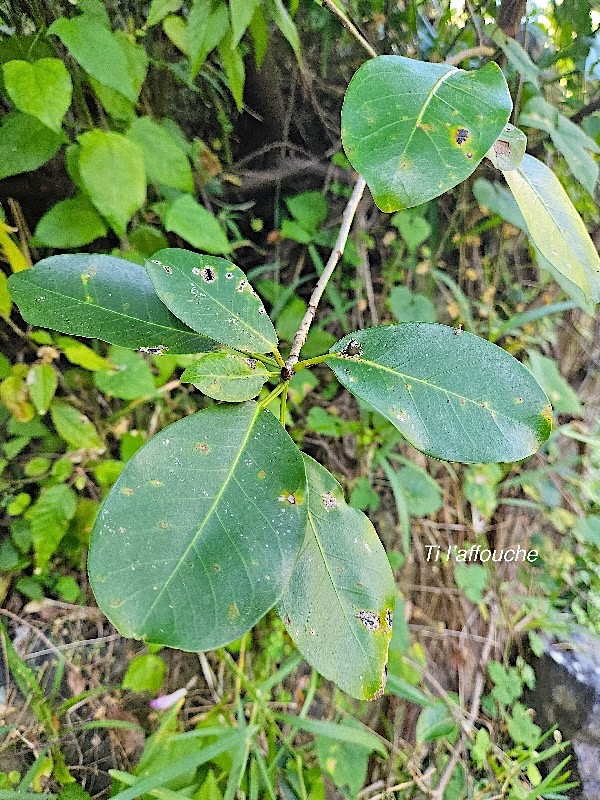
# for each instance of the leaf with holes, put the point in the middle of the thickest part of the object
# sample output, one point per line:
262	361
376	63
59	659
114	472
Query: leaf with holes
339	602
221	495
213	297
101	297
228	376
414	130
451	394
555	227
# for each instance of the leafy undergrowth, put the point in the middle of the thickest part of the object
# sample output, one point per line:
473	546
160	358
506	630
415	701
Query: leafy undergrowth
84	710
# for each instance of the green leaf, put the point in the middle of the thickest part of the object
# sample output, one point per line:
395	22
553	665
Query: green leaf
480	487
259	31
588	529
210	789
101	297
435	722
74	427
554	225
69	224
413	228
310	209
115	103
196	34
208	24
129	378
176	30
166	164
222	496
194	223
521	727
481	748
455	397
507	683
112	171
422	493
49	517
98	51
145	673
241	13
235	72
320	421
410	306
472	579
42	89
42	382
5	301
518	57
25	144
159	9
496	198
285	23
401	504
179	766
212	296
339	602
350	734
561	395
345	763
95	9
227	376
568	138
508	150
414	130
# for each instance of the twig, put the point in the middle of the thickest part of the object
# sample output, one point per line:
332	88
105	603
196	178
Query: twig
470	52
347	23
336	254
365	269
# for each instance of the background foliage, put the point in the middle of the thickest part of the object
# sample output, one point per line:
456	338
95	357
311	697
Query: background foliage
133	126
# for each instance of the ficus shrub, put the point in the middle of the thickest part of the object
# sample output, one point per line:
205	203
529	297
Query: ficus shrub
221	517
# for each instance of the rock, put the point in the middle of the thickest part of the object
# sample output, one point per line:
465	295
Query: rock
567	694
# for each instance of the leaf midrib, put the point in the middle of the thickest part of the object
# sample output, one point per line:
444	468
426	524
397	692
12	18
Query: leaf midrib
335	588
431	94
430	385
214	506
244	322
120	314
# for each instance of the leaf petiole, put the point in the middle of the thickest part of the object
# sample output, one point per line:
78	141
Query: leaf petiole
270	397
310	362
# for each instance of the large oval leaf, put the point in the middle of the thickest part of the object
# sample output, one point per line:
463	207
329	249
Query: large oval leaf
199	535
213	297
339	602
555	227
102	297
451	394
228	376
414	130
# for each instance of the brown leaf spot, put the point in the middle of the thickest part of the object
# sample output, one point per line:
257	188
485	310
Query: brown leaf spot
329	501
369	619
233	611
